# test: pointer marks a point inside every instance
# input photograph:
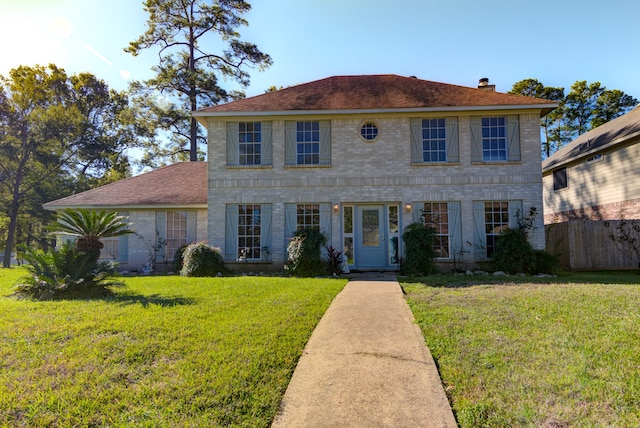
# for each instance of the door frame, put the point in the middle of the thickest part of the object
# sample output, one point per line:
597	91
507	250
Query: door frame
390	228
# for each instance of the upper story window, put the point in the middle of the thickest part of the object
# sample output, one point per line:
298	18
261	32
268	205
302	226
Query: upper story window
249	144
434	140
559	179
595	158
308	143
495	138
369	131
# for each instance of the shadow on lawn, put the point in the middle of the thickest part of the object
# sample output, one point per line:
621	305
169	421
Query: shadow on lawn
153	299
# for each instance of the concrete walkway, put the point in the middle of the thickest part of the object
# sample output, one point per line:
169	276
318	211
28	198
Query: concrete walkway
366	365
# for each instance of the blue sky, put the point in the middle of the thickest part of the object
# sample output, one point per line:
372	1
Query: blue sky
452	41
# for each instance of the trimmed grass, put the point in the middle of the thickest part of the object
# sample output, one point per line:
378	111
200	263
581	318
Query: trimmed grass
166	351
553	352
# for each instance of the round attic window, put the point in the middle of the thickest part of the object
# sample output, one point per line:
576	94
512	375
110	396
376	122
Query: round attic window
369	131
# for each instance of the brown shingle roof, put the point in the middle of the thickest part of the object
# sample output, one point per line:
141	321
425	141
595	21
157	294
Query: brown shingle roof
178	184
373	92
616	131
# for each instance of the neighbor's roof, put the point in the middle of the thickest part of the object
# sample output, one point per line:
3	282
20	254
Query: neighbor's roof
374	92
180	184
616	131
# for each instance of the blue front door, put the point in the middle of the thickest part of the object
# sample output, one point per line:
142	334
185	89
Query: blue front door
371	249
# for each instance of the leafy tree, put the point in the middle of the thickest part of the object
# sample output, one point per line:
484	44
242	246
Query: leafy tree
611	104
586	106
551	123
58	134
188	71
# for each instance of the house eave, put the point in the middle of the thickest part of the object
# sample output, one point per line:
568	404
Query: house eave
147	207
202	115
579	157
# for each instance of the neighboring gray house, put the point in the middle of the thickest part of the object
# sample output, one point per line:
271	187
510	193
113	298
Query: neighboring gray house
589	185
359	158
597	175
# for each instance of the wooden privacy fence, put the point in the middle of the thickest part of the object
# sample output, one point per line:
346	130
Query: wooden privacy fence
586	245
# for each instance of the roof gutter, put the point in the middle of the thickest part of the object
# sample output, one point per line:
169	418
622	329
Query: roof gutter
200	115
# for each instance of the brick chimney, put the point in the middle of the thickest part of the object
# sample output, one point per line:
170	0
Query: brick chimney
483	84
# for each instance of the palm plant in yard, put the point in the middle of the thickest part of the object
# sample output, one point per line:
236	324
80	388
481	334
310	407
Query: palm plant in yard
73	269
89	227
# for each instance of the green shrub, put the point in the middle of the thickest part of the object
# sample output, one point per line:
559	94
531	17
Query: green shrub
514	253
419	255
201	259
65	272
178	258
305	259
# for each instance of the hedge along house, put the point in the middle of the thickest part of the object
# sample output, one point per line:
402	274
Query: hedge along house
167	208
361	157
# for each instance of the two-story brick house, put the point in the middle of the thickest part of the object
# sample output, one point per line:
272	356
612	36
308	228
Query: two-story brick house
361	157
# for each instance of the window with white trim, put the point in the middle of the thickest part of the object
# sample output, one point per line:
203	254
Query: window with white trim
308	143
308	216
249	225
250	143
434	140
436	216
109	249
496	220
176	232
494	139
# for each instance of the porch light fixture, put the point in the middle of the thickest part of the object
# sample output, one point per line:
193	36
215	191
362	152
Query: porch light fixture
407	208
336	207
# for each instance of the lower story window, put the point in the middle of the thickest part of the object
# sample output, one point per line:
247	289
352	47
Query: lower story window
496	219
436	216
109	249
249	223
176	233
308	216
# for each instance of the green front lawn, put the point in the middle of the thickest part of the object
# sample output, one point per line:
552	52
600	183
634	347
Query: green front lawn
557	352
166	351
